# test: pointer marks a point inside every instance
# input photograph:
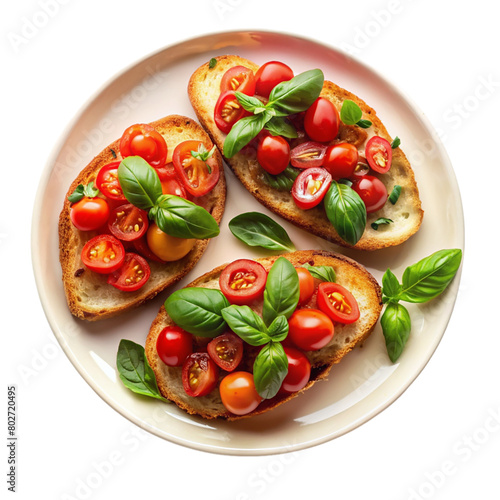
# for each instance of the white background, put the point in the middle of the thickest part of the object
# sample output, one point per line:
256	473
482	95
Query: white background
440	439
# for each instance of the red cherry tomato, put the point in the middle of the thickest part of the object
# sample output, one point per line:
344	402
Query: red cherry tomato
299	371
341	160
306	285
238	393
228	111
338	303
103	254
362	168
379	154
310	329
89	214
372	191
199	374
174	345
273	154
197	176
308	154
127	222
144	141
310	187
226	350
238	78
131	275
269	75
322	121
243	281
170	182
107	182
141	247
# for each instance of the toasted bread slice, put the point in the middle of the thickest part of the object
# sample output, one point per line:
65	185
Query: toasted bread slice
204	90
349	273
88	294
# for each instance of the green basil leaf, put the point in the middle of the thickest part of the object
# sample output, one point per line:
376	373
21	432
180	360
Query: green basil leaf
324	273
350	112
183	218
396	142
250	103
381	221
139	181
297	94
281	294
113	152
391	289
283	181
270	369
212	63
396	327
247	324
243	132
77	194
346	211
279	125
198	310
395	193
134	369
278	329
430	276
258	230
364	123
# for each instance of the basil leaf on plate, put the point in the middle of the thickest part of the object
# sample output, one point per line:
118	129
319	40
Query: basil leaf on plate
430	276
396	327
198	310
139	181
297	94
183	218
270	369
391	289
281	294
134	369
258	230
247	324
346	211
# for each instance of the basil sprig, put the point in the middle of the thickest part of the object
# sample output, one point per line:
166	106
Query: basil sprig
173	215
287	98
198	310
82	191
134	369
420	283
351	114
346	211
258	230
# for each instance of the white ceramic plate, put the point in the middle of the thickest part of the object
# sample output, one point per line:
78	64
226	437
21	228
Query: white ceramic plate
365	382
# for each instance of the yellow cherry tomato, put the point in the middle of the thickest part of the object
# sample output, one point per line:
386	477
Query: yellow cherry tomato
166	247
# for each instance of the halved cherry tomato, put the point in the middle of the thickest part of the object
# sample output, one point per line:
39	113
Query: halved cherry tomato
226	350
238	78
273	154
322	121
166	247
308	154
341	160
243	281
132	274
372	191
89	214
107	182
170	182
228	111
238	393
362	168
174	345
310	187
310	329
269	75
379	154
299	371
338	303
198	177
103	254
199	374
306	285
144	141
127	222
